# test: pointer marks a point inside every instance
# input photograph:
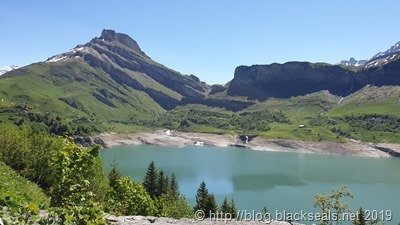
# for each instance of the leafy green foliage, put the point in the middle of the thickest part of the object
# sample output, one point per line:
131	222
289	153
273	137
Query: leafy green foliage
129	198
193	117
72	176
171	203
340	132
374	122
333	202
257	120
23	114
29	153
73	166
174	206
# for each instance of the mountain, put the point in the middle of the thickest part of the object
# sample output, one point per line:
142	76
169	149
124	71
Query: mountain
379	59
383	58
120	56
107	80
6	69
353	62
300	78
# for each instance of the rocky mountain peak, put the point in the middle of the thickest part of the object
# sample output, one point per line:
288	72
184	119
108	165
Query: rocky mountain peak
110	36
379	59
394	49
353	62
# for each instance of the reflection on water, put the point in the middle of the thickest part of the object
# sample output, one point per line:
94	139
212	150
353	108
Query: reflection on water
259	182
276	180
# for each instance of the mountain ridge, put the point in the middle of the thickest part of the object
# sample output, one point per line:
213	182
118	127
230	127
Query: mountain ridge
379	59
300	78
110	79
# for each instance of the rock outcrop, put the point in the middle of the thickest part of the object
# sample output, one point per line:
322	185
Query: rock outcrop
300	78
142	220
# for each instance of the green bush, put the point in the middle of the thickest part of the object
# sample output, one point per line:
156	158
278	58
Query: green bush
72	176
374	122
174	206
129	198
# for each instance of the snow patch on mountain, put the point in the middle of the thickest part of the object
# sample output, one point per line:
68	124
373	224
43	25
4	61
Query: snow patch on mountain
74	53
6	69
379	59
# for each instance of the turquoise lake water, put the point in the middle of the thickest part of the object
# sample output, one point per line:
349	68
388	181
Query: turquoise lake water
275	180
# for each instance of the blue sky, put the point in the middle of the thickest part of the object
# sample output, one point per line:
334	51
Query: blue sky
207	38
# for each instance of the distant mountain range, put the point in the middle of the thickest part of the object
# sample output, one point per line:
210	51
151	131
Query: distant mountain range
112	78
378	59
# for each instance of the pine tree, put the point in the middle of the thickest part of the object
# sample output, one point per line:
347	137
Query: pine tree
161	185
210	205
233	208
225	207
174	187
229	207
201	197
114	175
150	180
361	218
166	185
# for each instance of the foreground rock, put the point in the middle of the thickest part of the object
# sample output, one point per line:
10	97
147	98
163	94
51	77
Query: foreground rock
182	139
128	220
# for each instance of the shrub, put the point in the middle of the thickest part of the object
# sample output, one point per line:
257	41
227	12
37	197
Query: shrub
129	198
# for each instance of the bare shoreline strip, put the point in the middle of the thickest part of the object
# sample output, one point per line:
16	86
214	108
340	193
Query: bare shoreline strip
182	139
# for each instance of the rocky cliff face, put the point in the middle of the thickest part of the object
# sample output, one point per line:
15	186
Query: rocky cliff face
300	78
289	79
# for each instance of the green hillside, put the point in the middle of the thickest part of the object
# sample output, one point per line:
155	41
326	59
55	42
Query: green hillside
75	92
371	114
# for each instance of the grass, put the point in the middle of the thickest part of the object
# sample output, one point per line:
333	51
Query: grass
385	108
41	86
14	186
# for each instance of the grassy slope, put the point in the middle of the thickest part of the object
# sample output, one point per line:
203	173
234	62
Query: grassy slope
300	111
370	100
12	184
41	86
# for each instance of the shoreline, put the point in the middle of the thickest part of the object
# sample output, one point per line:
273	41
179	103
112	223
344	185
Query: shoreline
182	139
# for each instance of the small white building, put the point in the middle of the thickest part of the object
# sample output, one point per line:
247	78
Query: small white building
199	143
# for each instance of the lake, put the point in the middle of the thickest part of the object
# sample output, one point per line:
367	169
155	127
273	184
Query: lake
275	180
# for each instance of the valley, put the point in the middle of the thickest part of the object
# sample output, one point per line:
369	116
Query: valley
199	112
110	85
